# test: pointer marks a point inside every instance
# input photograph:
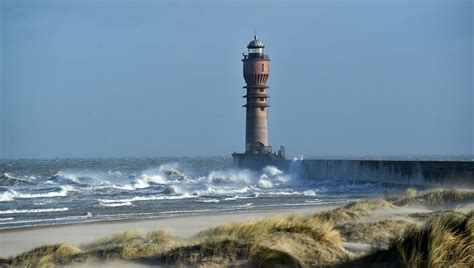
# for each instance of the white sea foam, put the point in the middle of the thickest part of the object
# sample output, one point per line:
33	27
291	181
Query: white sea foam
37	210
309	193
117	204
11	194
265	182
272	171
239	197
208	201
60	219
145	198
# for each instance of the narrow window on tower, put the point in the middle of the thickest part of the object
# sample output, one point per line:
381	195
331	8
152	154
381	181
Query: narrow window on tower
262	99
262	108
262	90
263	67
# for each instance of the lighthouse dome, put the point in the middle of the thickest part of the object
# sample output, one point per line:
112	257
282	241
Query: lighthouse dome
255	43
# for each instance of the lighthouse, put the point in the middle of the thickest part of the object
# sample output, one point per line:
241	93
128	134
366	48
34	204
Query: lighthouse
256	71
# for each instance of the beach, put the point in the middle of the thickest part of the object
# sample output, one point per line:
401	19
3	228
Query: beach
18	240
371	232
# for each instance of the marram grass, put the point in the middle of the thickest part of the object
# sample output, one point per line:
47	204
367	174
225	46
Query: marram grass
437	197
440	239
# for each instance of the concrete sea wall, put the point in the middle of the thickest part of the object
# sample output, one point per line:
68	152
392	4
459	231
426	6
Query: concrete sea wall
427	173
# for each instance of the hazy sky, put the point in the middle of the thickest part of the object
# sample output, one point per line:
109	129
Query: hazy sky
159	78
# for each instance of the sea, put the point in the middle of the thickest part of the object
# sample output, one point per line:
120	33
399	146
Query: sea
64	191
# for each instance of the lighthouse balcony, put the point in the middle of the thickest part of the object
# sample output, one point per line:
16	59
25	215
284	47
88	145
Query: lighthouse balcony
262	86
256	95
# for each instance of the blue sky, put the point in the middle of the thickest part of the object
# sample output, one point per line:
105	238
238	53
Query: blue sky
163	78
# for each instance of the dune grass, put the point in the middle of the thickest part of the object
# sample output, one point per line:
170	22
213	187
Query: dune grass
445	239
309	240
437	197
379	234
48	256
131	244
352	211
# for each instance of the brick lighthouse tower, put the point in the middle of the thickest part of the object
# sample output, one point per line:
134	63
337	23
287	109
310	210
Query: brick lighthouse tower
256	72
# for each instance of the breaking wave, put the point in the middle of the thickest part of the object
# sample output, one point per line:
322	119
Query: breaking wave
8	180
38	210
10	194
126	190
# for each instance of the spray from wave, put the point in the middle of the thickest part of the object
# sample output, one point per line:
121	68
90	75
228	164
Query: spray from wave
86	192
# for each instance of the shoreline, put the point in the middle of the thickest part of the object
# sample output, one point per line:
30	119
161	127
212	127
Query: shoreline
329	205
17	240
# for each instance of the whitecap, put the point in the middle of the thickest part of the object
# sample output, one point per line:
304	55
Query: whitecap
309	193
37	210
10	194
239	197
117	204
208	201
146	198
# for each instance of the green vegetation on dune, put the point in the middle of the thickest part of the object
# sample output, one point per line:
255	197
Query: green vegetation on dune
437	239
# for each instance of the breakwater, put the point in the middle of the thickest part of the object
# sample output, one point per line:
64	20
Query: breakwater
444	173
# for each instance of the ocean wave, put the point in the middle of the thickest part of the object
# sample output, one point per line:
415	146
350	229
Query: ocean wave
145	198
169	177
88	215
8	180
207	201
11	194
7	219
163	175
37	210
116	204
233	198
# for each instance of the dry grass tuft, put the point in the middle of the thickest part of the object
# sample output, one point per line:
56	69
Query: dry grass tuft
379	234
263	256
114	240
48	256
352	211
446	242
428	216
306	239
435	197
131	244
256	229
207	253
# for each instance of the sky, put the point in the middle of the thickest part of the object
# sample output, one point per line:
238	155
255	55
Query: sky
164	78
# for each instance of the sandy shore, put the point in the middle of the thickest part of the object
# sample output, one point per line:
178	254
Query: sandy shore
15	241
